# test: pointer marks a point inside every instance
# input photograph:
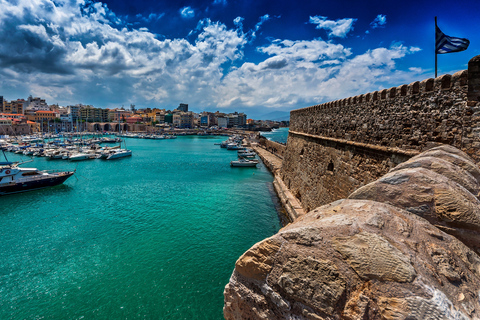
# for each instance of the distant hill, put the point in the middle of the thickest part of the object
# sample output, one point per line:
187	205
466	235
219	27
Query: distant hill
275	116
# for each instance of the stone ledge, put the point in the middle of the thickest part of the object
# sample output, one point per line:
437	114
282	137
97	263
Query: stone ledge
408	153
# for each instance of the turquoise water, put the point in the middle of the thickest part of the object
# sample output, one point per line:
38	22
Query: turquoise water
154	236
277	135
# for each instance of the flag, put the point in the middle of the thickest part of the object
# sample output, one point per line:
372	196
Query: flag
446	44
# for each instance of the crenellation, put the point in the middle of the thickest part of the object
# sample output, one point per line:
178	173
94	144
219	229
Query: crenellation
367	135
402	90
460	78
426	85
392	92
367	97
383	94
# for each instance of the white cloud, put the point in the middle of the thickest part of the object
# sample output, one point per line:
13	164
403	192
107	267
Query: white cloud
379	22
187	12
339	28
61	53
238	22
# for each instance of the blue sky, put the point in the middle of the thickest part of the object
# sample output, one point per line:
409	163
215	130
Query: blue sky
250	56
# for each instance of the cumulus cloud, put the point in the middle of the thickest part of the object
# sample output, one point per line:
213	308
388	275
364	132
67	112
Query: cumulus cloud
379	22
187	12
70	52
339	28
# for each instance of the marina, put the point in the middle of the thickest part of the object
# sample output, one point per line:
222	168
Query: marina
155	235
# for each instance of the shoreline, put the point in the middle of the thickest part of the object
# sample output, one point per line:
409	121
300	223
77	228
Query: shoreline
273	162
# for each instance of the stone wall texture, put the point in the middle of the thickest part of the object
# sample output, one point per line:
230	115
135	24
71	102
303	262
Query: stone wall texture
405	246
409	117
272	146
336	147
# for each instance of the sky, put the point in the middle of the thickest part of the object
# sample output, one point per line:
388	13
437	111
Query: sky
251	56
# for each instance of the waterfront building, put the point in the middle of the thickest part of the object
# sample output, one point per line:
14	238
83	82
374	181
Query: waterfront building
237	119
183	107
134	119
207	119
14	106
169	118
13	124
36	104
75	112
222	122
183	120
91	114
43	118
118	114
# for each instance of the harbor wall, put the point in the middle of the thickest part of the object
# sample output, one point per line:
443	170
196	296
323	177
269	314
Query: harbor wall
273	147
339	146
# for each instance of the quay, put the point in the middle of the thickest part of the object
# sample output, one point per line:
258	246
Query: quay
273	161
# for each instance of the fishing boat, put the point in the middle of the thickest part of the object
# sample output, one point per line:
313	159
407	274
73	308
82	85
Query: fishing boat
14	179
243	163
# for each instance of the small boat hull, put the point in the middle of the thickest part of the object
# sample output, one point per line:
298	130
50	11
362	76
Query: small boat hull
243	164
24	186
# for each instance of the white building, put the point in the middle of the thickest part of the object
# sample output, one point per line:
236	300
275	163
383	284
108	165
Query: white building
222	122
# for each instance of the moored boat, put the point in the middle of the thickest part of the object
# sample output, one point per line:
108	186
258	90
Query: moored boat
243	163
119	153
14	179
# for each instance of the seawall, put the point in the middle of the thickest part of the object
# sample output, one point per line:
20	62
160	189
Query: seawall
273	162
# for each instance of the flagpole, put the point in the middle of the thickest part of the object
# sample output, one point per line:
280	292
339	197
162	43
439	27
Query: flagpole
435	46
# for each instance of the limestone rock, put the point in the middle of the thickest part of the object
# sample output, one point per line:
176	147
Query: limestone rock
373	257
400	268
443	201
256	263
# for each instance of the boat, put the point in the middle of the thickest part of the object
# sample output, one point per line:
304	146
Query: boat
14	179
81	156
243	163
246	153
119	153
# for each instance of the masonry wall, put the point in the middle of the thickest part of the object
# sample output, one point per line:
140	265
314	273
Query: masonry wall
336	147
272	146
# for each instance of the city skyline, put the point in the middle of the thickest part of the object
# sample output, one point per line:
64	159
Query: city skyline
252	57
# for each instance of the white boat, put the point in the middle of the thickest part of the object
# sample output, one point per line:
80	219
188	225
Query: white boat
81	156
14	179
243	163
246	153
119	153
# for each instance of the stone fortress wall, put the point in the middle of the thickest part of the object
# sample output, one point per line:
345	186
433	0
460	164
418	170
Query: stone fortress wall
403	241
336	147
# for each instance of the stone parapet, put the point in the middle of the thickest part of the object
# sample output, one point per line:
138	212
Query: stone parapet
416	116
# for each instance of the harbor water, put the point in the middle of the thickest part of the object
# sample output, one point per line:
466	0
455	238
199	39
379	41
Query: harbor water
152	236
277	135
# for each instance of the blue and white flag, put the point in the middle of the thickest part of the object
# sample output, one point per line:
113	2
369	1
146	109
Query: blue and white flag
446	44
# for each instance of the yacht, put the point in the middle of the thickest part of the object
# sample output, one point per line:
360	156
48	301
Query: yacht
14	179
119	153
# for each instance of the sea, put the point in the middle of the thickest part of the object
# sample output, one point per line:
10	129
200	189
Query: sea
152	236
277	135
